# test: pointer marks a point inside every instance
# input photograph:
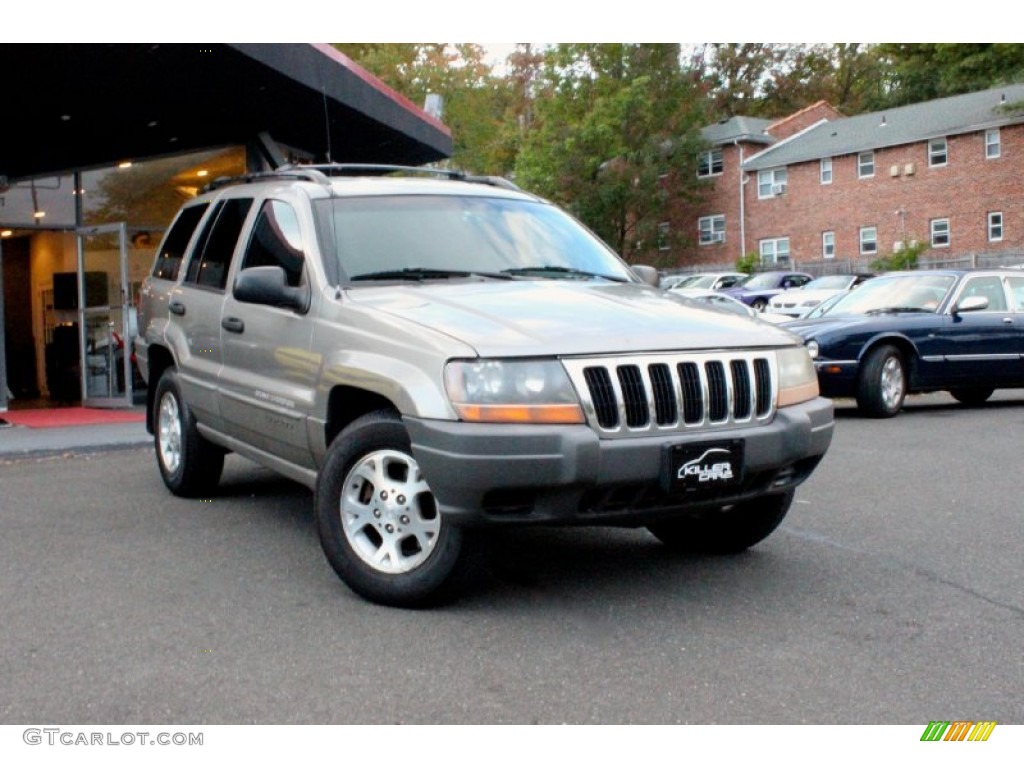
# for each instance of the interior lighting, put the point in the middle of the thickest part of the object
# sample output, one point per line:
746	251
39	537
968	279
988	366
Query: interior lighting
125	164
7	233
203	174
39	214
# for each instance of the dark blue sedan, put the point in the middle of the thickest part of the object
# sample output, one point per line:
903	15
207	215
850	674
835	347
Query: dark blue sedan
904	332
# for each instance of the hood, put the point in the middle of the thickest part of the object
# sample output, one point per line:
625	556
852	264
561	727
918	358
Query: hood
564	317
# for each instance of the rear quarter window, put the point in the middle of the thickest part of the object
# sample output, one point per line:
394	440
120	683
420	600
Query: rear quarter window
172	250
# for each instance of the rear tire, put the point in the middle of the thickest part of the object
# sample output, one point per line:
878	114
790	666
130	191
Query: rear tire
728	531
189	464
378	522
882	385
972	395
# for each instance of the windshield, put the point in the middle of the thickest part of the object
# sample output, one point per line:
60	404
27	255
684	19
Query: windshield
905	293
831	282
699	281
422	237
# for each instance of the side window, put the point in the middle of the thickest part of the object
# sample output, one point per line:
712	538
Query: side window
212	255
276	241
1016	292
991	287
172	250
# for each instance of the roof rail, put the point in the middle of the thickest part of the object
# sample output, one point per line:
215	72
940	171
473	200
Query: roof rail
319	174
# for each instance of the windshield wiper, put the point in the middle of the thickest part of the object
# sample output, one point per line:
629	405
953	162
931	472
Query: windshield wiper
424	273
551	269
894	310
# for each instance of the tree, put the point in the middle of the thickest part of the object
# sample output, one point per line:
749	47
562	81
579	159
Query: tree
921	71
614	138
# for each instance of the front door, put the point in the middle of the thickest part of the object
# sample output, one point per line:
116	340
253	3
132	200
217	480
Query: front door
103	317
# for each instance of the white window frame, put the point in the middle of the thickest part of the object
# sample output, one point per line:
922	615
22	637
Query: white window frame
828	245
710	226
663	232
868	241
941	234
767	181
706	159
825	172
995	226
993	144
772	248
866	161
938	152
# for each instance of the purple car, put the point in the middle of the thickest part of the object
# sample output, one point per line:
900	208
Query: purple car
759	288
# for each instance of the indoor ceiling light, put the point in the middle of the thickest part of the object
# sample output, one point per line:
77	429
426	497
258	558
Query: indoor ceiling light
125	164
6	233
38	214
202	174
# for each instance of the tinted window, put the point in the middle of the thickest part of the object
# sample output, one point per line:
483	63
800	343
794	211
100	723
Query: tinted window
172	250
276	241
212	257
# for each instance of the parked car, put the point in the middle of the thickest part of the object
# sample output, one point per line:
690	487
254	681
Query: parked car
716	299
324	325
757	290
801	301
904	332
709	280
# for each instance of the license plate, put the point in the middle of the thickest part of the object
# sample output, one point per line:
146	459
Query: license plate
703	467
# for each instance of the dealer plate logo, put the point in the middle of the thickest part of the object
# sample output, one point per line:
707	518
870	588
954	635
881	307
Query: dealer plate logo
703	466
707	469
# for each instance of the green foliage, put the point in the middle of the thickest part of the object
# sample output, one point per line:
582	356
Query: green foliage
614	137
747	264
922	71
905	258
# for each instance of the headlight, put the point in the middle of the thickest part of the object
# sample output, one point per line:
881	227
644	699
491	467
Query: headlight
522	391
798	380
812	349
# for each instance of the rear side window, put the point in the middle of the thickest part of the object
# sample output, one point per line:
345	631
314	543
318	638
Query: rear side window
172	251
212	256
276	241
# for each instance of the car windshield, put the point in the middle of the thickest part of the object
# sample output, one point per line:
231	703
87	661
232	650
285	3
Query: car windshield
828	283
896	293
698	281
763	280
425	237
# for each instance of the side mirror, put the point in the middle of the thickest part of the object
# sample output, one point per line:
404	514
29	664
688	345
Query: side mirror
971	304
268	285
648	274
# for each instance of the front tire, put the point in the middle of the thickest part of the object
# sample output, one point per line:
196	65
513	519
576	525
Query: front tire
729	531
378	522
760	305
882	386
189	464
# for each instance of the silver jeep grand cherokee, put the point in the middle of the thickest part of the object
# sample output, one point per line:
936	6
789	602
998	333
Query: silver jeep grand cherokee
432	353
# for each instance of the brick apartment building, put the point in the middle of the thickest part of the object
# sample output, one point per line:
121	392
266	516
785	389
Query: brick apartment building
818	186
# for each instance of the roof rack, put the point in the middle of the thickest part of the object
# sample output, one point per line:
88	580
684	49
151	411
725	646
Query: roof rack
321	173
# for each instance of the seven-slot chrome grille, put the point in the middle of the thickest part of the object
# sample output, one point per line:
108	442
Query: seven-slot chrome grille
646	394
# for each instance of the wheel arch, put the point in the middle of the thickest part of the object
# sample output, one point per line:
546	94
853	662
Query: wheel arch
906	347
346	403
160	359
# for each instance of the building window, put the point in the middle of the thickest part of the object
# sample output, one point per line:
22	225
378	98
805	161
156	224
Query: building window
995	226
826	170
868	240
865	165
828	245
712	229
710	163
940	233
775	250
772	183
937	153
663	230
993	145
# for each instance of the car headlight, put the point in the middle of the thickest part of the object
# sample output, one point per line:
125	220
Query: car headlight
798	381
812	349
520	391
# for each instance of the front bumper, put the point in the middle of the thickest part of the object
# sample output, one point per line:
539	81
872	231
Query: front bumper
503	473
837	378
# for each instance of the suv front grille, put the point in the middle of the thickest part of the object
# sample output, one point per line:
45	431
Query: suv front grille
636	395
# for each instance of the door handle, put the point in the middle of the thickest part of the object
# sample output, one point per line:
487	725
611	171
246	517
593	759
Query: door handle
1007	321
233	324
176	308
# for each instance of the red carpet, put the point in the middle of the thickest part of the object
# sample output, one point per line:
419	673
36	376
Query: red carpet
45	418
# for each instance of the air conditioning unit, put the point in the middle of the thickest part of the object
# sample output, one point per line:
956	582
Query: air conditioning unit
908	169
894	171
779	189
718	237
897	246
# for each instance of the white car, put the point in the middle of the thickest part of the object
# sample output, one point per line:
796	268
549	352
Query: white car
717	300
801	301
710	280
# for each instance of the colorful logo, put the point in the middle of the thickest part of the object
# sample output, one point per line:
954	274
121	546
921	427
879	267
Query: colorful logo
958	730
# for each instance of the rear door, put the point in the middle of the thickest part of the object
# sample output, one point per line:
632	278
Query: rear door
195	307
984	347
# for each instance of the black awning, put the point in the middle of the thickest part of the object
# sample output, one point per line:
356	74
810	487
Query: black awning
69	106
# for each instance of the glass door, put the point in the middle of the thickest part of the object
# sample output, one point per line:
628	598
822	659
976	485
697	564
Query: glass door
103	316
